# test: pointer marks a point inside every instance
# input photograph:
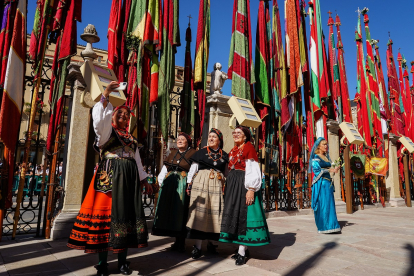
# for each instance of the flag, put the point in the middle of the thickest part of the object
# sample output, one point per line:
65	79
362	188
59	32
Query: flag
373	86
262	68
384	99
376	165
241	70
66	46
13	93
345	101
397	123
201	63
124	51
278	57
319	81
334	70
9	14
113	35
363	108
170	41
187	95
408	108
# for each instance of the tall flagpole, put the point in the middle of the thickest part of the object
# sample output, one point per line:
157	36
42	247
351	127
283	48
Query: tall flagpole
28	142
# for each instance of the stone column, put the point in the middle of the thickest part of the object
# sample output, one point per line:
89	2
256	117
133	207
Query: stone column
392	180
333	139
218	114
76	155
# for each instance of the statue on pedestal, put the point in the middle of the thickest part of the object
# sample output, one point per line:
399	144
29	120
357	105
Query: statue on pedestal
218	78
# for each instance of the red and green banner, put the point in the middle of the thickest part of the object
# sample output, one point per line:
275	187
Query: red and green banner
170	41
262	68
345	101
9	14
363	109
12	99
240	61
319	73
187	95
201	63
384	98
373	88
69	13
113	35
397	123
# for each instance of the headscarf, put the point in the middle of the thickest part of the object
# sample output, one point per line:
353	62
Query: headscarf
313	154
246	132
219	134
187	137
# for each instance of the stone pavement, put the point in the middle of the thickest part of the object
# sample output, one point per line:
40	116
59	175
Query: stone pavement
373	242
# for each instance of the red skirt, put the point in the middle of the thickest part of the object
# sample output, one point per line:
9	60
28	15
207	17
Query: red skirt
92	225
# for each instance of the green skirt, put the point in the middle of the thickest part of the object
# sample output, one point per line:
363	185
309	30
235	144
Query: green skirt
256	230
172	207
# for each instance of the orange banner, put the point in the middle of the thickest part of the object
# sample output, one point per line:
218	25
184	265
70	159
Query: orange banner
376	165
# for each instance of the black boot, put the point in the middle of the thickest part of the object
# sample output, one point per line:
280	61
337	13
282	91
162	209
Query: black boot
102	269
211	248
196	253
124	268
178	245
241	260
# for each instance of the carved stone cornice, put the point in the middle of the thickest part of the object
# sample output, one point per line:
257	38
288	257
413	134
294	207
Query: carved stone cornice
393	138
218	103
333	126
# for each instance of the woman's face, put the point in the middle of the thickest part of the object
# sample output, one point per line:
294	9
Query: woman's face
238	136
213	140
323	147
121	118
182	143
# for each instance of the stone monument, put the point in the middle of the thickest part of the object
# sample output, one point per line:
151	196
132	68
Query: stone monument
79	139
218	78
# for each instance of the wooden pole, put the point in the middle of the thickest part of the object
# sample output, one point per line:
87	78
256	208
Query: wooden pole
348	182
51	186
407	182
42	194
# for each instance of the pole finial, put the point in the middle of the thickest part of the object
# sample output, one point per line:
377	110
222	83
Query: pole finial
189	20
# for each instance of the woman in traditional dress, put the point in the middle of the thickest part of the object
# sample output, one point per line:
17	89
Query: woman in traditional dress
172	207
112	216
244	220
323	202
206	182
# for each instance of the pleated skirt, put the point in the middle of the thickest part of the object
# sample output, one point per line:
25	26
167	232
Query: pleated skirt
115	220
206	206
242	224
172	207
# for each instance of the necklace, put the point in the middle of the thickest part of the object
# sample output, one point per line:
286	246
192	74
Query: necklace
215	156
235	156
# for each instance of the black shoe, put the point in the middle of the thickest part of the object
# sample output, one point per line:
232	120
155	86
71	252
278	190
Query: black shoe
178	246
102	269
241	260
196	253
211	248
124	269
235	256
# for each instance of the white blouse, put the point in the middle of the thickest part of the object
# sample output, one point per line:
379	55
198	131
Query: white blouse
252	178
161	176
102	125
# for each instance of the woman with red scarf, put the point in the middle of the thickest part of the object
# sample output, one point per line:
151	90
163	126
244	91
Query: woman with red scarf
112	216
244	221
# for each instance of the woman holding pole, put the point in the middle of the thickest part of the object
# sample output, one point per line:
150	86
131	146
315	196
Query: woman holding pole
112	216
323	202
244	220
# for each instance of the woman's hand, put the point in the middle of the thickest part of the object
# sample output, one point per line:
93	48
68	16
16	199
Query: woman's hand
111	86
249	197
148	187
337	169
334	170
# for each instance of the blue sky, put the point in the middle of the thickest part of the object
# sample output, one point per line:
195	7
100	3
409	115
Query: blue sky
385	16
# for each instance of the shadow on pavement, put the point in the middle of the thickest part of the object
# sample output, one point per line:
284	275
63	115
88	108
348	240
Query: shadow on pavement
344	224
311	261
410	271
